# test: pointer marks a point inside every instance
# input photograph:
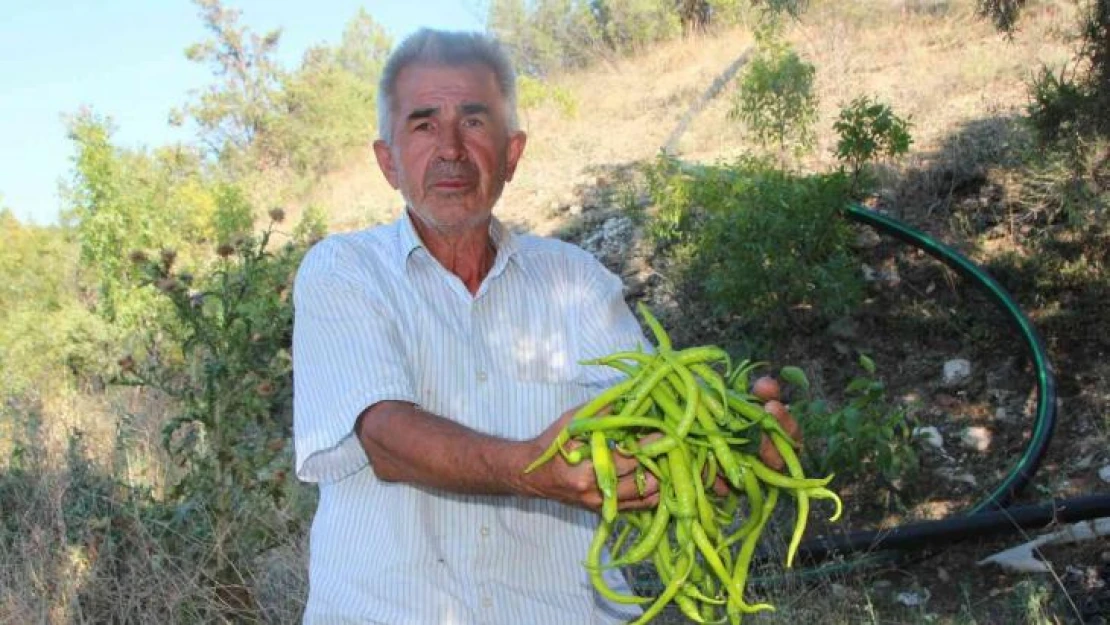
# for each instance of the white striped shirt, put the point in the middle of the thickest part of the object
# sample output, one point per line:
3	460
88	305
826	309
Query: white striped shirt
378	318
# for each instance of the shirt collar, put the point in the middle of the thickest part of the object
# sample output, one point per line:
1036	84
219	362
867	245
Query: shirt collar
503	239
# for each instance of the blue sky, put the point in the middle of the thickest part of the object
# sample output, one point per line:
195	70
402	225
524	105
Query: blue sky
125	59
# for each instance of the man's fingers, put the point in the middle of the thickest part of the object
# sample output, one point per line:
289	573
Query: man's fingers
645	503
767	452
627	488
624	464
627	464
721	486
629	496
783	416
766	388
769	455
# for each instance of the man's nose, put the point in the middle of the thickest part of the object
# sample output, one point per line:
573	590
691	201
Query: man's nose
450	143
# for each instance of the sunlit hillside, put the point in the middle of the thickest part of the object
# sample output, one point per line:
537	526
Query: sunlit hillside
934	61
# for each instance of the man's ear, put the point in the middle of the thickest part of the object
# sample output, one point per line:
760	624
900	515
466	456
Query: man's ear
517	140
384	153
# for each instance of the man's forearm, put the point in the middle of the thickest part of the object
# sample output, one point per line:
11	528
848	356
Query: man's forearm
407	444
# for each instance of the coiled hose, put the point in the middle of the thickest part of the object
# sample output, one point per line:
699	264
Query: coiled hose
990	515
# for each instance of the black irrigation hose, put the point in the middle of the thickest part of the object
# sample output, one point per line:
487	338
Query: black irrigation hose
990	514
1009	520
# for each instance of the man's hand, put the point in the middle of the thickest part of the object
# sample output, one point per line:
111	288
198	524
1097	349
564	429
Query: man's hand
767	390
577	484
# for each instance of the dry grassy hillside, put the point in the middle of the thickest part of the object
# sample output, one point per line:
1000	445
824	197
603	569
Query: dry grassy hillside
933	60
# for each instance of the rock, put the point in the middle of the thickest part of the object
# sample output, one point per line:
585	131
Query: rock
891	276
951	473
867	238
956	371
843	328
943	575
947	402
968	204
888	276
611	241
929	435
911	599
1104	474
977	438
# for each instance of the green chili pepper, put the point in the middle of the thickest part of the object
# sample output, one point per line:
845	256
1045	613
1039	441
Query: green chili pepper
737	605
800	495
682	571
595	568
606	473
649	539
680	480
662	340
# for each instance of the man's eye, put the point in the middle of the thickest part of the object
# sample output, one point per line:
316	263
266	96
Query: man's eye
422	126
473	122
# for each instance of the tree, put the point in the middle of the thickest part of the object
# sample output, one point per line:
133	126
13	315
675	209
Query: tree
775	96
695	15
35	265
631	25
122	200
329	105
46	333
1063	105
259	117
235	111
547	36
364	48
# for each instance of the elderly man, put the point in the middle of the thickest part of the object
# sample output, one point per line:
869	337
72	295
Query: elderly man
434	358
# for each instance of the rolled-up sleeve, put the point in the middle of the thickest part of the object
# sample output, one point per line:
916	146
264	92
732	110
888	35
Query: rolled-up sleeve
347	356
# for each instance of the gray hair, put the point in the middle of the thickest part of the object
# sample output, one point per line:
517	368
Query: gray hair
453	49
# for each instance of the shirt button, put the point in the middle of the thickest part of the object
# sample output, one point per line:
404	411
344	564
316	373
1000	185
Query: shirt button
487	602
484	531
482	376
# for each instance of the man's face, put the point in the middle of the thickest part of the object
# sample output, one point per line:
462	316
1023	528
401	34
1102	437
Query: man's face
451	152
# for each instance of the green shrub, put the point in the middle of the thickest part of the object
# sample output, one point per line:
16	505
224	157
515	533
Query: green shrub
544	37
230	372
866	436
633	25
1057	105
533	93
754	240
869	129
775	97
1061	181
